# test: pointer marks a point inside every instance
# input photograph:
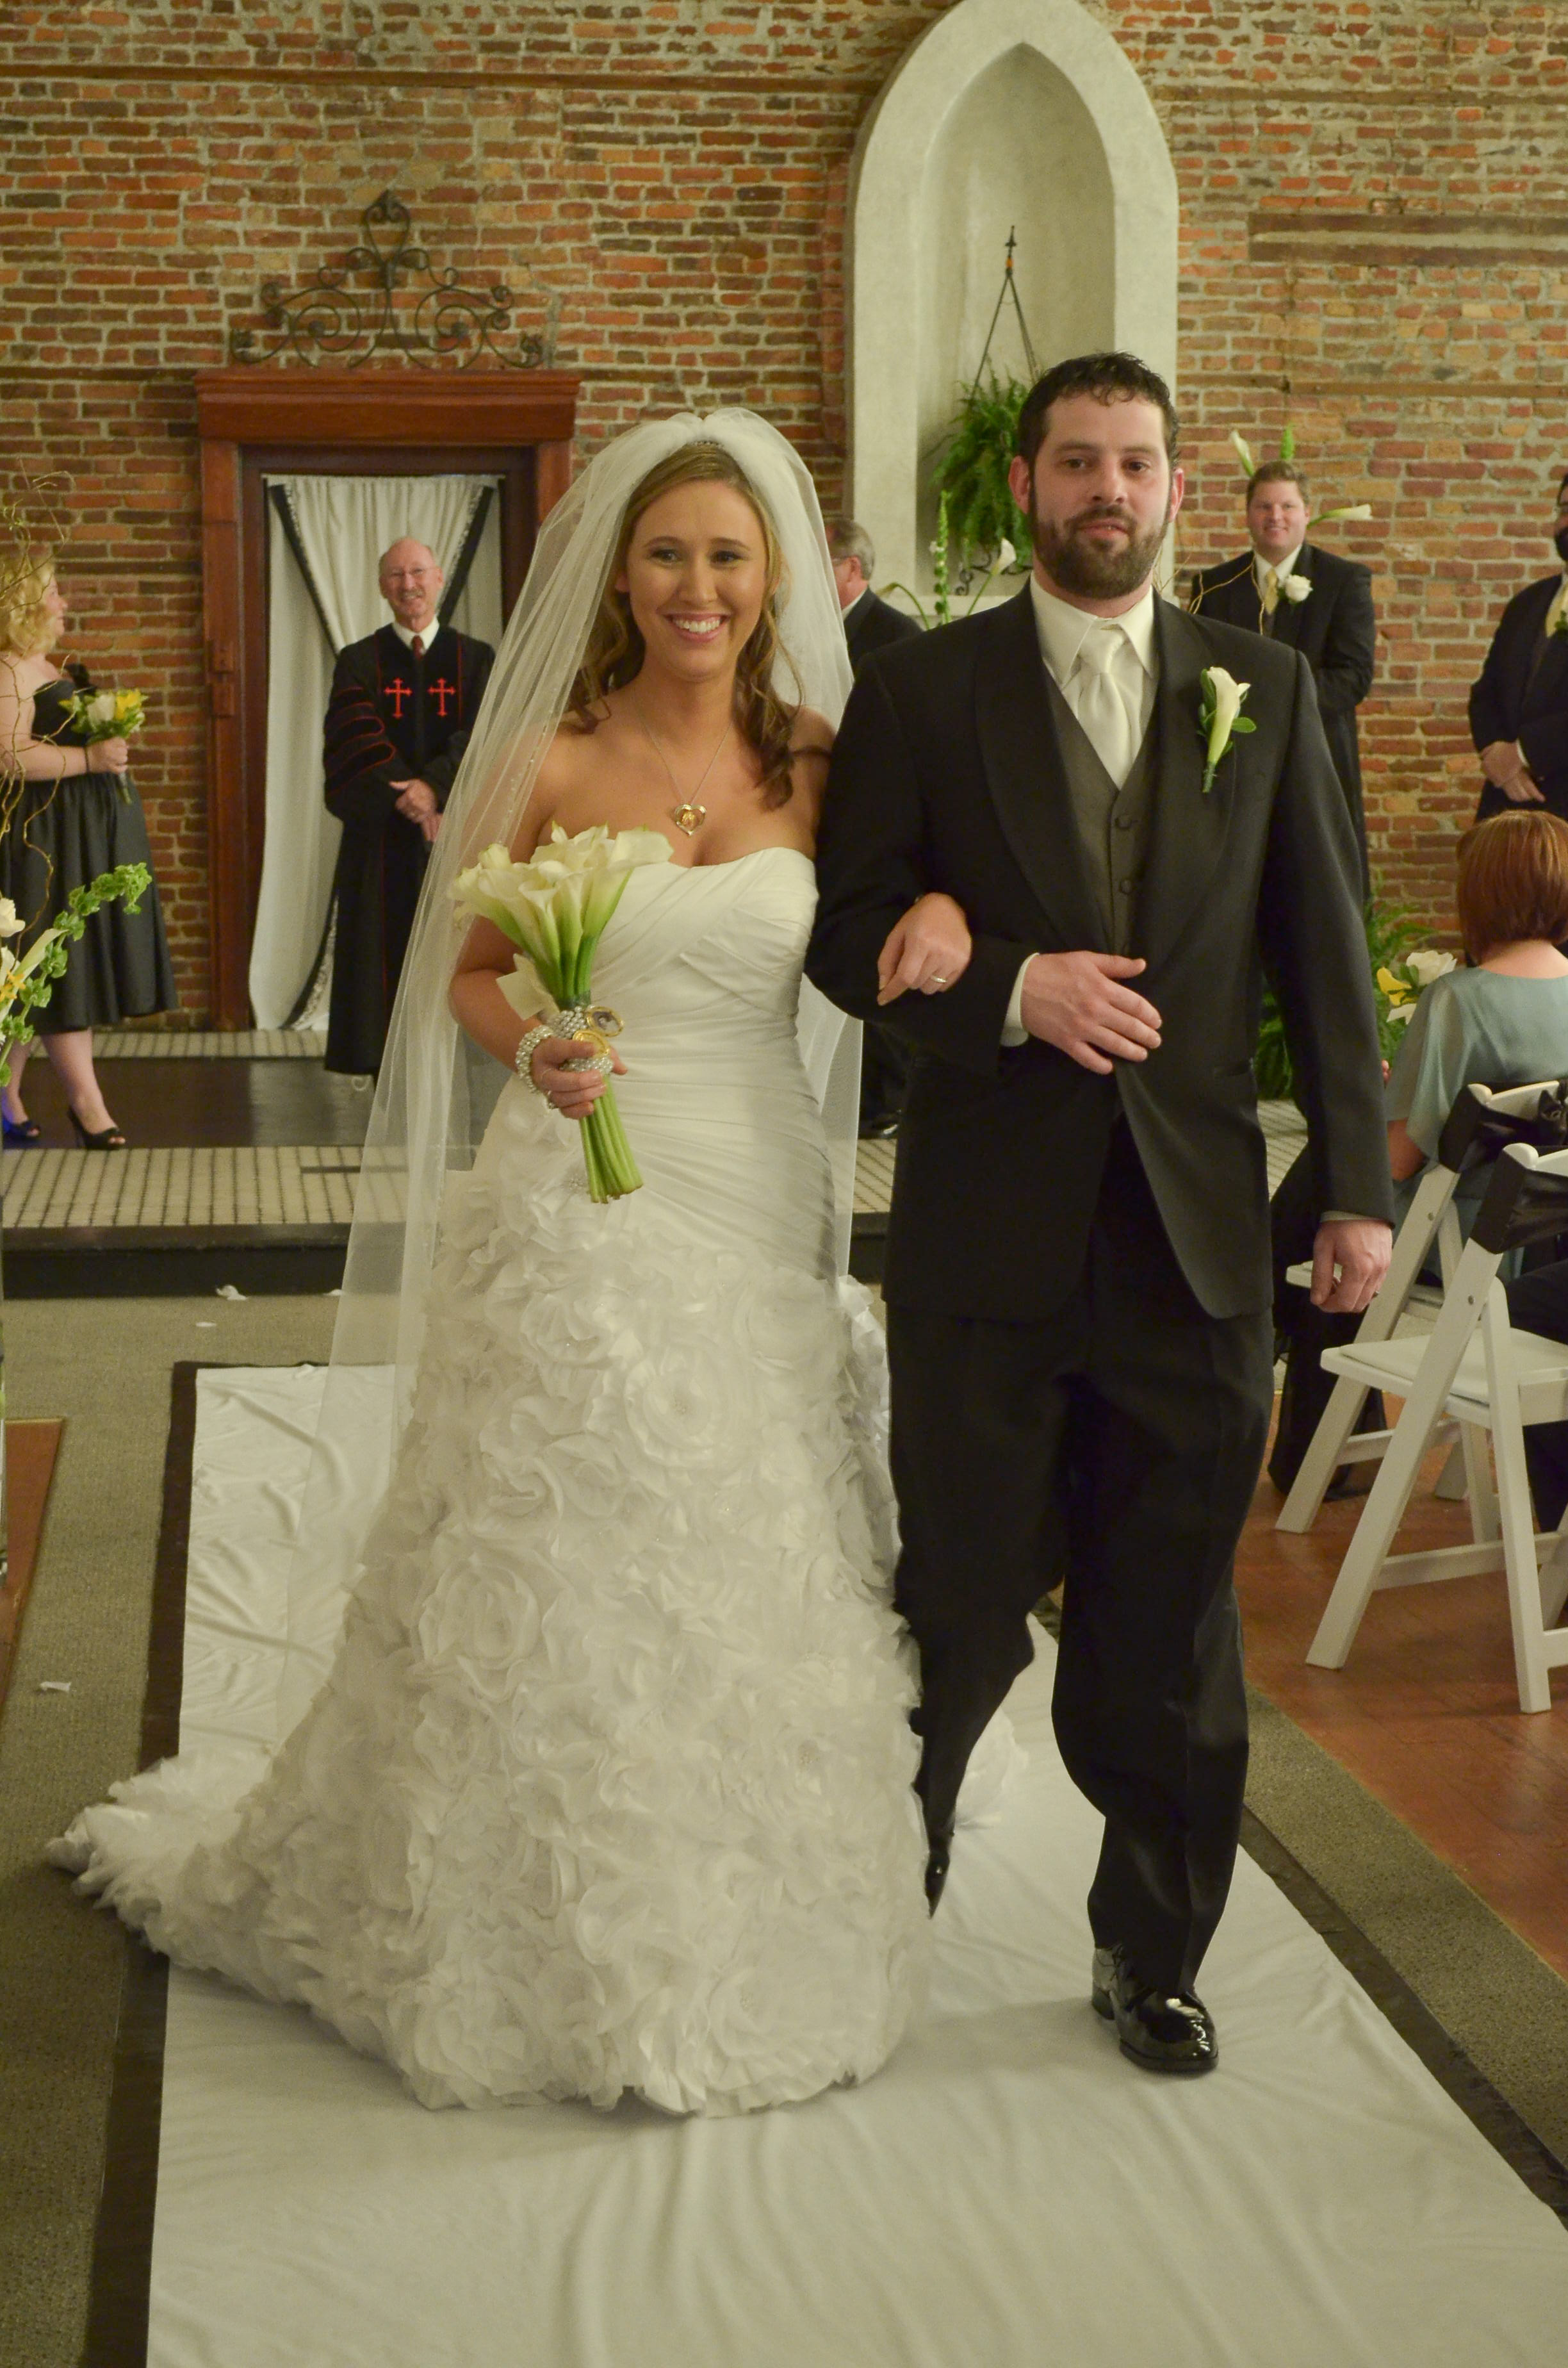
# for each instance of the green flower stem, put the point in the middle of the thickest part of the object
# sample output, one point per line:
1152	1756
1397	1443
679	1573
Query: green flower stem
612	1171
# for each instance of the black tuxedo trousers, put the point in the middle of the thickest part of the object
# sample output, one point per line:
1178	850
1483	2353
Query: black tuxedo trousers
1117	1442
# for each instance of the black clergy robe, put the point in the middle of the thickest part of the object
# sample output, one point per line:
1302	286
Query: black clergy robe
391	717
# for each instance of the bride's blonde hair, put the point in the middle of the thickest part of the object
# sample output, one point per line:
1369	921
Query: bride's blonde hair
616	650
26	626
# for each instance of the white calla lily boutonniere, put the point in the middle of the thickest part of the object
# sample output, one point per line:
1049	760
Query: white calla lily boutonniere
1220	719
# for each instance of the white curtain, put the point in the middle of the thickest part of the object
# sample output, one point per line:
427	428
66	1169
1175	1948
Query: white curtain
344	524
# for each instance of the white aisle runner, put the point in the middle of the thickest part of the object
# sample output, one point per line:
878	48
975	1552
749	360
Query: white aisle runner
1007	2193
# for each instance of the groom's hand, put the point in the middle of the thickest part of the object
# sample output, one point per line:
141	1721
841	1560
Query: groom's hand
1078	1003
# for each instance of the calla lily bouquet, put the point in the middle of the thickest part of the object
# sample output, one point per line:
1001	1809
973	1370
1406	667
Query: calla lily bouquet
108	716
1399	985
26	981
1220	718
554	909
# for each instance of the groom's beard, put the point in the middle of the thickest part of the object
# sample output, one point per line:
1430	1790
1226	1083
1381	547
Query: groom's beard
1087	568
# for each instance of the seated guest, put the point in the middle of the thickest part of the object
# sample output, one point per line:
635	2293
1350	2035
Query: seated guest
402	707
871	625
1331	622
1518	706
1503	1021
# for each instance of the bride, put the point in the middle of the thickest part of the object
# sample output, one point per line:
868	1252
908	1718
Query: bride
607	1783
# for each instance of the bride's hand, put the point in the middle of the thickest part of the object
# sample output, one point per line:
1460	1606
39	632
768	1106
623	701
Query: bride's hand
570	1091
930	949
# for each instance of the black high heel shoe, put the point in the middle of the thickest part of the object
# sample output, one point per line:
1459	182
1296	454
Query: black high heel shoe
20	1129
108	1138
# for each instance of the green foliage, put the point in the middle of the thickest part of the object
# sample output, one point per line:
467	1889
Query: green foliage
26	986
1393	933
1286	442
971	473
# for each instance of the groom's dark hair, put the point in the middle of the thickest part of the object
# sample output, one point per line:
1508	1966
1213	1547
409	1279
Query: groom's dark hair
1109	378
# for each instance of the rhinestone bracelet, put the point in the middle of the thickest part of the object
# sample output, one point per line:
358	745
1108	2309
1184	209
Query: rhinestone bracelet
527	1045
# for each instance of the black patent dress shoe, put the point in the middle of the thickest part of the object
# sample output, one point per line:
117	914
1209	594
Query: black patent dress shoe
1161	2033
936	1863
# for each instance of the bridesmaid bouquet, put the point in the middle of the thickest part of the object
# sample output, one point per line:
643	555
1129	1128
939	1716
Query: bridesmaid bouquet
554	910
108	716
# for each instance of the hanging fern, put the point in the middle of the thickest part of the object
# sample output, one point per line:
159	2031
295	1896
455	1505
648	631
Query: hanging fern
973	472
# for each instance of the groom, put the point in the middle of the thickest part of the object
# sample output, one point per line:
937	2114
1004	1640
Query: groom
1077	1276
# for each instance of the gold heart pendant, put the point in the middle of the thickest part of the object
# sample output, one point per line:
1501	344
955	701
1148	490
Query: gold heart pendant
689	817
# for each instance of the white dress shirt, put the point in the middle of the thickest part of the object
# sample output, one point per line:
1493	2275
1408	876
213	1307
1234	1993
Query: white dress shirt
1061	630
427	633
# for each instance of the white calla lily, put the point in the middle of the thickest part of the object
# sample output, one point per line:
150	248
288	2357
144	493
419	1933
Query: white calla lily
554	909
1228	696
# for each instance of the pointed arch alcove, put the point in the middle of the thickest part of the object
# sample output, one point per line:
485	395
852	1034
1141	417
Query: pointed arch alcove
1007	112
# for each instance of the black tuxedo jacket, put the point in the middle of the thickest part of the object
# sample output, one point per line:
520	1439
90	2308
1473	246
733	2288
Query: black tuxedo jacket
946	774
1333	628
1522	694
873	624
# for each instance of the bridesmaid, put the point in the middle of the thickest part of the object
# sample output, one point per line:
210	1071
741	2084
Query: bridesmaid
72	813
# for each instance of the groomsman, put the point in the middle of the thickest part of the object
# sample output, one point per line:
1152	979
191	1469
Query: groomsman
1518	708
1285	587
403	706
871	625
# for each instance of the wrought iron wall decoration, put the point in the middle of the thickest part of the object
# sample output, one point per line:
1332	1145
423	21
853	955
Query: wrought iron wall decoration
332	319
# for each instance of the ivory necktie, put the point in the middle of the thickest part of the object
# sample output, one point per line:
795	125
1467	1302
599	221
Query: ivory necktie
1101	705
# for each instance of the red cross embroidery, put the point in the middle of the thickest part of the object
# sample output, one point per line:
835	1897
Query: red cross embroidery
441	692
397	691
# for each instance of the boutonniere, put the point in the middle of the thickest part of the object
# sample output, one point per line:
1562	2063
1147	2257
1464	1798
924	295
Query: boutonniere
1220	719
1557	615
1296	587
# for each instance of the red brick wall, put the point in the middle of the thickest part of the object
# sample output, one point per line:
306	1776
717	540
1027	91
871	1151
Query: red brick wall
678	169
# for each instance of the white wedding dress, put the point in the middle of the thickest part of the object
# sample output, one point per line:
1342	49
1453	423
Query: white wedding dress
609	1788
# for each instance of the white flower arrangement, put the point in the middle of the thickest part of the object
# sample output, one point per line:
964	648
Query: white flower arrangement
1296	589
554	909
1220	718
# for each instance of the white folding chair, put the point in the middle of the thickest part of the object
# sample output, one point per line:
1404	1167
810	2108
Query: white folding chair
1476	1129
1474	1371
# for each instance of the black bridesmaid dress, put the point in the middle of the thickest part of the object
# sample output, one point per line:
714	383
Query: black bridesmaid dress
62	834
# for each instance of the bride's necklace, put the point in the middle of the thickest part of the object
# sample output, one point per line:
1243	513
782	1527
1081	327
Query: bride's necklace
689	814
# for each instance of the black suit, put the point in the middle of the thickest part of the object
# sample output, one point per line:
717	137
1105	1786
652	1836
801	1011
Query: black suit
1522	694
1079	1265
875	624
1335	629
870	625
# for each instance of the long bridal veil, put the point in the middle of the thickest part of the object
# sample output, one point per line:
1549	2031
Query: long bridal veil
437	1090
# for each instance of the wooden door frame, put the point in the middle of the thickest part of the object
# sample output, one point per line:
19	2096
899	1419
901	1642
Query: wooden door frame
515	425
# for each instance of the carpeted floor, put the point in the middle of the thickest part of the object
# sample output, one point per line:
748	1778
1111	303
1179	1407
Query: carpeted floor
105	1367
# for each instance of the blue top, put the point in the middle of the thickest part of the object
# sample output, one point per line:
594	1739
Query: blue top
1472	1027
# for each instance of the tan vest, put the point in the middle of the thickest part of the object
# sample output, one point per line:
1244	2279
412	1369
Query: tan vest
1113	824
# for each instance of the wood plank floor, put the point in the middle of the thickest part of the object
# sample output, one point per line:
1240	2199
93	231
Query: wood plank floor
1426	1712
30	1450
